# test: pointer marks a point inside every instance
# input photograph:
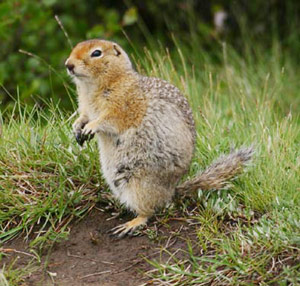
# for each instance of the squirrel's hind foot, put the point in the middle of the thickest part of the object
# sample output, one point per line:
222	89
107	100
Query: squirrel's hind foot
130	227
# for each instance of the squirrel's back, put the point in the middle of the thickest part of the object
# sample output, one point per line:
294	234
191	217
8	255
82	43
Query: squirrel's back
159	89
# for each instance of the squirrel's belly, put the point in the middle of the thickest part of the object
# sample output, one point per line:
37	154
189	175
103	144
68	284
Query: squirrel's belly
109	158
157	153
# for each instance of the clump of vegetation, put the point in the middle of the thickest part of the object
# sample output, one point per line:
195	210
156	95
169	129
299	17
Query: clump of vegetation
45	179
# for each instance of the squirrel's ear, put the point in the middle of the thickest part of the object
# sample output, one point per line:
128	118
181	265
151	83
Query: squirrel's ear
116	50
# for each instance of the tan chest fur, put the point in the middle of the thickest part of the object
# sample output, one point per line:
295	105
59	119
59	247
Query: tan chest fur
120	103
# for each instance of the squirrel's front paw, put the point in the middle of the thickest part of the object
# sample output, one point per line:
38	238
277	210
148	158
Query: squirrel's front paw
81	138
90	129
78	131
78	125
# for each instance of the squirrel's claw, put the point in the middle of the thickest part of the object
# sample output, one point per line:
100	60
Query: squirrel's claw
86	134
121	230
129	227
81	138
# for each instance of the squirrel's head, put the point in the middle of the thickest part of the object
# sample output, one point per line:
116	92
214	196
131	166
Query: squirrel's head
97	61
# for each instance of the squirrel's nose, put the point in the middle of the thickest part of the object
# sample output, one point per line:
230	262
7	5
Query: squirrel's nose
70	67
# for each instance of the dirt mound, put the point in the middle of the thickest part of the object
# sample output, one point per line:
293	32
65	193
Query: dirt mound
91	256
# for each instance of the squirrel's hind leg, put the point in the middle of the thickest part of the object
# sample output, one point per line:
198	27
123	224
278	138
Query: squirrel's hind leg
143	195
129	227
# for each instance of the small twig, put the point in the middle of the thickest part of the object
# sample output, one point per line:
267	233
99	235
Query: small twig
94	274
86	258
168	241
16	251
64	30
177	219
52	275
132	265
113	217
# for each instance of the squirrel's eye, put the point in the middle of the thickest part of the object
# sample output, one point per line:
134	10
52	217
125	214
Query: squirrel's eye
96	53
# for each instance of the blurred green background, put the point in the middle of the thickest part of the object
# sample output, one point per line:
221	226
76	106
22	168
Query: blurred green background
200	25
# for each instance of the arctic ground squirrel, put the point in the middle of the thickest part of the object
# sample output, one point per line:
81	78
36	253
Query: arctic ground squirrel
145	132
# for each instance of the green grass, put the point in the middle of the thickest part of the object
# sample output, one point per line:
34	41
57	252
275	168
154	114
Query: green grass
248	234
46	180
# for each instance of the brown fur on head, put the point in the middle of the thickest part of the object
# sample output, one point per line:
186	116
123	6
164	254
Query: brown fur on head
107	86
95	60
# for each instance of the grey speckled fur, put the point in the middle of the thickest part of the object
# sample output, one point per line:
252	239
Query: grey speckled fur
143	165
148	161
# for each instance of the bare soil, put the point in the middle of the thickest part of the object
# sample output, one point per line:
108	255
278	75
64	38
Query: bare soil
91	256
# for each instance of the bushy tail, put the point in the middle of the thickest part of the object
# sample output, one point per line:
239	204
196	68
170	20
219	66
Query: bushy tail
219	173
